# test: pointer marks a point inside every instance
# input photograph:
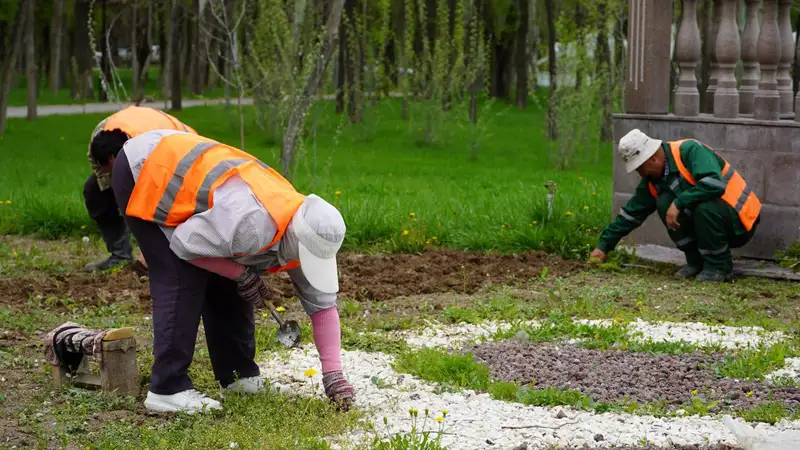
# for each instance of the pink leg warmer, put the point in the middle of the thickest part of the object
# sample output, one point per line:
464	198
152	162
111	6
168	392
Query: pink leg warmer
328	339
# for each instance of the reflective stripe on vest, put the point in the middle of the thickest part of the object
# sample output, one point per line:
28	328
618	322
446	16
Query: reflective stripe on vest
135	120
737	194
291	265
180	176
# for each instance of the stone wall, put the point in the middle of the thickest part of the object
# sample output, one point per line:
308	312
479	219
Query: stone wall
766	153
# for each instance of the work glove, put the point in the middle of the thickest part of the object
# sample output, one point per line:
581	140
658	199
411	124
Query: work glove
252	288
338	390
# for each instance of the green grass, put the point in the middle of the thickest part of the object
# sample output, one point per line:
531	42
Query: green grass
382	177
19	93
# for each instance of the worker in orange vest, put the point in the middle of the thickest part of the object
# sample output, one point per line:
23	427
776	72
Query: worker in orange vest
107	139
706	205
210	219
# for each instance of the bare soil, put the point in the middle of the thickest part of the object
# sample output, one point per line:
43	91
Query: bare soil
363	278
615	376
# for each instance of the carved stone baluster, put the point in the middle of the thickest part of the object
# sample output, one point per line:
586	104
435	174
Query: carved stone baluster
749	88
797	98
687	53
726	97
768	101
787	56
713	72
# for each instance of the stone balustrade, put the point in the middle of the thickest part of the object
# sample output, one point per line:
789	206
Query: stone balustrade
752	120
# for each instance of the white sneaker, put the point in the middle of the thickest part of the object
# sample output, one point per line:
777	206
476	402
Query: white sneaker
189	401
255	385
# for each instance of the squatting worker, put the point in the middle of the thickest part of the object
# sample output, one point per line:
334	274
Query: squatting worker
209	218
705	203
107	139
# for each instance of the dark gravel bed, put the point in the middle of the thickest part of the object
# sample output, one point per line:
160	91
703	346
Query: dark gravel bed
613	376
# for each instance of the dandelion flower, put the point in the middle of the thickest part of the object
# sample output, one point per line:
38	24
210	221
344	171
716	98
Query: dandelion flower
585	207
83	227
439	419
15	254
428	241
444	412
8	202
280	309
594	193
264	315
62	138
750	394
694	391
411	214
338	193
569	213
413	412
534	222
310	372
405	232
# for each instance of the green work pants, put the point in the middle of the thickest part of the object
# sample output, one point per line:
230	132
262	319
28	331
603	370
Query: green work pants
707	235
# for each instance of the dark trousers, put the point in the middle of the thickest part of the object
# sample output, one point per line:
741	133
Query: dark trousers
103	209
183	293
707	236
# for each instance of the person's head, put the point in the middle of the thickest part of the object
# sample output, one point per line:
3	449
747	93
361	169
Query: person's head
642	154
313	237
106	145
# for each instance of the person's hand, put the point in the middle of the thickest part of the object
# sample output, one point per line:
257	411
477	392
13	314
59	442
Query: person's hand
338	389
598	254
252	288
672	217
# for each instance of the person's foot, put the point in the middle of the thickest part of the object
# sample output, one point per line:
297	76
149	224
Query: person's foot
339	390
688	271
714	277
108	263
255	385
189	401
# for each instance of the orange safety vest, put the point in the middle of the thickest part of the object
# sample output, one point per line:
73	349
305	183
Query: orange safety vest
179	177
737	193
135	120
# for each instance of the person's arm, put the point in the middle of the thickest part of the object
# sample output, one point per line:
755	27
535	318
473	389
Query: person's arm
227	268
630	217
312	299
703	164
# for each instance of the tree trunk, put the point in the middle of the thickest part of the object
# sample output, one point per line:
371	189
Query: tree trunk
551	65
521	57
165	46
82	86
10	62
30	58
56	25
353	67
580	42
193	49
603	70
174	52
134	52
342	69
301	105
105	52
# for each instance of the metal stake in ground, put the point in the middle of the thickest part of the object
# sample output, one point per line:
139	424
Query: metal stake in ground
289	333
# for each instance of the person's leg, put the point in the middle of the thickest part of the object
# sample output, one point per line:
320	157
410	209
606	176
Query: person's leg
230	331
178	292
102	208
714	222
684	238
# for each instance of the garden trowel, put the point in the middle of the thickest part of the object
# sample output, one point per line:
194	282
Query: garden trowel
289	333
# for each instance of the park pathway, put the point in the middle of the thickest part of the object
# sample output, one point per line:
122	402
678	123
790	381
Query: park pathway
90	108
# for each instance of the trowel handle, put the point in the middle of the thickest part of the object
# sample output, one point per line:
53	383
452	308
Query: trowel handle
274	313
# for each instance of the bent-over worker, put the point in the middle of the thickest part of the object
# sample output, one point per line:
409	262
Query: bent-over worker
706	205
107	140
209	218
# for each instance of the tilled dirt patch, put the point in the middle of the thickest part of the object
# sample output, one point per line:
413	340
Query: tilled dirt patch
374	278
614	376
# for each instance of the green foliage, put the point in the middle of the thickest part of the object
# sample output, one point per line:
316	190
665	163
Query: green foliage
789	258
755	363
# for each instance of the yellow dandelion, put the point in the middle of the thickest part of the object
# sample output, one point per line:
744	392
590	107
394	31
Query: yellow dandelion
594	193
8	202
264	315
428	241
310	372
405	232
569	213
83	227
534	222
280	309
62	138
433	238
338	193
439	419
15	254
749	394
694	391
585	207
444	412
411	214
639	304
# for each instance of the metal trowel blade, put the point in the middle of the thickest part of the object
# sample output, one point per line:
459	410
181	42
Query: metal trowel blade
289	334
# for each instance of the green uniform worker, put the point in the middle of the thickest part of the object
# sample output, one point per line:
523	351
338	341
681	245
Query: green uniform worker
705	204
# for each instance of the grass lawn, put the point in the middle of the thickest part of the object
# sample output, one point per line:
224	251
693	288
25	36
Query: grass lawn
395	192
19	93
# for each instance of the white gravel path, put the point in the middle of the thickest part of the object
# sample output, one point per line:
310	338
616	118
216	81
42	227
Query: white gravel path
473	419
440	335
791	371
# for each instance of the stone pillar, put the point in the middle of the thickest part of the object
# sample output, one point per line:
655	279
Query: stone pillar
726	97
768	101
797	98
687	53
749	88
787	57
713	73
647	74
